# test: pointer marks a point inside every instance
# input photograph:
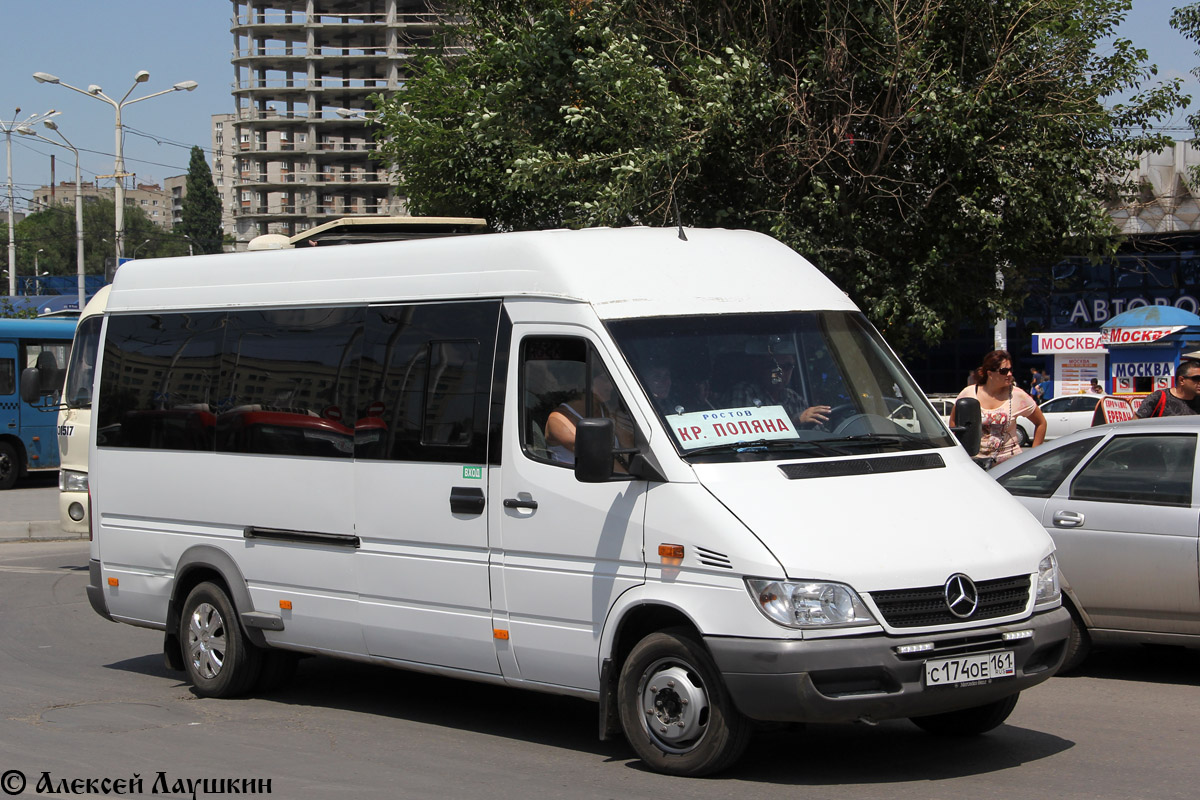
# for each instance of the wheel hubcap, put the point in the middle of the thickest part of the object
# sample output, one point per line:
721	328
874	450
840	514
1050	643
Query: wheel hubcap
674	705
206	640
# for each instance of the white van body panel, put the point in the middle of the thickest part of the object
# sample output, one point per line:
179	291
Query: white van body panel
885	531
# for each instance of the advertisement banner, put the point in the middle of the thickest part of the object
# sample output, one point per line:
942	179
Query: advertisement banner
1073	374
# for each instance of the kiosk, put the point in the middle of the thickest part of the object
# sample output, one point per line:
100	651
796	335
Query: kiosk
1146	344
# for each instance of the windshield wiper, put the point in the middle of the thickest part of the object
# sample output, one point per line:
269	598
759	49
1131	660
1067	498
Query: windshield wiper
887	439
758	445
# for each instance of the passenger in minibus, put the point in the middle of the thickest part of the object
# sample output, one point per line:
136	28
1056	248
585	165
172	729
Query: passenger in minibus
772	387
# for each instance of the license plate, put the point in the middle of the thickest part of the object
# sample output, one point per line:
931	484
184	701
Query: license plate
969	669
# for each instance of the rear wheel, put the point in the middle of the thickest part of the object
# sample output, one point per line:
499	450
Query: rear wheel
10	467
219	660
969	721
675	710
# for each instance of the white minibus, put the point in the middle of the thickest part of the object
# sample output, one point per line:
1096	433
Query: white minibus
75	418
652	468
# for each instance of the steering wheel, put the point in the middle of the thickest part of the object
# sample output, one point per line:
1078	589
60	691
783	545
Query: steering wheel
838	415
866	423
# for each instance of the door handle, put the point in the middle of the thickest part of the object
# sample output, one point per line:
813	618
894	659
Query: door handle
512	502
466	500
1067	519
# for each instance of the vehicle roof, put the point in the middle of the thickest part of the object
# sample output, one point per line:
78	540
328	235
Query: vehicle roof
49	327
1185	424
625	272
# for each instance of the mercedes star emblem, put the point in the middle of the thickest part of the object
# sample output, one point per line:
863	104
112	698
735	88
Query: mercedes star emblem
962	598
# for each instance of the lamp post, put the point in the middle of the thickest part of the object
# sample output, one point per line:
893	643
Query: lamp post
139	247
119	164
8	126
79	272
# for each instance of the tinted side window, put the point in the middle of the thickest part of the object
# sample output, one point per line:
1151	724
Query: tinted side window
8	376
424	380
1156	470
158	388
1041	476
80	373
287	382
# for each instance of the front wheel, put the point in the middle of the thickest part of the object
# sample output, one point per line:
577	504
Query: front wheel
969	721
10	467
219	660
675	710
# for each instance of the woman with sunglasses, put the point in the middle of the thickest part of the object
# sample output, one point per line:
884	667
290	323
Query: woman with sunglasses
1001	401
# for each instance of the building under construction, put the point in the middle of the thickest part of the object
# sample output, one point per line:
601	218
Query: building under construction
304	72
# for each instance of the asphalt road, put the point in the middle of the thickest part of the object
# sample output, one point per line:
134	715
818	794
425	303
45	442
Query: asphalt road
82	698
30	509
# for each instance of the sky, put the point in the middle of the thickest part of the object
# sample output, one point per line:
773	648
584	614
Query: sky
106	42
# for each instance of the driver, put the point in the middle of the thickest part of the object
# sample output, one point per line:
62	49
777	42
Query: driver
772	387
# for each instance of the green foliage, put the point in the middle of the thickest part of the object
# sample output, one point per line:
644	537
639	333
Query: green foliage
7	310
911	149
201	216
53	232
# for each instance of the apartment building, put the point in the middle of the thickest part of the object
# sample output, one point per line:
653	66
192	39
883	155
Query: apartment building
300	135
150	197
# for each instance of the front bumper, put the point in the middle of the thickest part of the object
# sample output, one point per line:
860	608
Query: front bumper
862	677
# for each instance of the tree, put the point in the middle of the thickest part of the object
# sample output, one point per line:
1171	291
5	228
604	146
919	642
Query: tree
201	216
52	231
912	149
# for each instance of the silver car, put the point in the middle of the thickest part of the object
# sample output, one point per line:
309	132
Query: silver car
1121	503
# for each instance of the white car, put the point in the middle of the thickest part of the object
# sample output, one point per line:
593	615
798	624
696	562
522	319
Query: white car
1064	415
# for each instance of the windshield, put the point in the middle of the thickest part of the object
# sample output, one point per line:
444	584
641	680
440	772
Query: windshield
791	385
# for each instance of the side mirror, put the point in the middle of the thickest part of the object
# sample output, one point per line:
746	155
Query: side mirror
969	429
594	450
33	384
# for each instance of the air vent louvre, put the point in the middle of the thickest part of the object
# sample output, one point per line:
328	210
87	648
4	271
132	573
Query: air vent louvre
711	558
862	466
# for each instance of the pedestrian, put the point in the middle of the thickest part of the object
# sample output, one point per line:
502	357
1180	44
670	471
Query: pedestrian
1096	388
1035	378
1001	401
1180	400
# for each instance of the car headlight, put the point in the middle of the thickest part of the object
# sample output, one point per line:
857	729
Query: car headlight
1048	590
809	604
71	481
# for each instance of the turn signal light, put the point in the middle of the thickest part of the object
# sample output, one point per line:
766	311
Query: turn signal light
113	582
286	605
670	550
499	633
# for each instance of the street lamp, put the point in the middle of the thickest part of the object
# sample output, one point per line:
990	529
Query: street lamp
119	164
79	272
8	126
139	247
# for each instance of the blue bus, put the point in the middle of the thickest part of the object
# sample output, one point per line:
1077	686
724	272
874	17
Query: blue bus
28	438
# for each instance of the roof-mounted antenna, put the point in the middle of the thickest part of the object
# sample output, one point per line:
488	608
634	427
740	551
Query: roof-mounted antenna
675	203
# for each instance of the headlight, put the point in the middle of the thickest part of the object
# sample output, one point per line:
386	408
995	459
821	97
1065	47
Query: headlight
71	481
1048	591
809	604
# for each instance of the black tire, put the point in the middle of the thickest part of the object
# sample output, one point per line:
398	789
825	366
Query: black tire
675	710
1079	644
10	466
218	659
1023	438
969	721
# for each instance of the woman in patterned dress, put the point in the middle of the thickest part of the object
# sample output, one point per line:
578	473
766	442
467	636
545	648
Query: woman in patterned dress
1001	401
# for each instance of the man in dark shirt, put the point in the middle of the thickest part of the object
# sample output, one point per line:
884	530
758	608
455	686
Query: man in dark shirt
1180	400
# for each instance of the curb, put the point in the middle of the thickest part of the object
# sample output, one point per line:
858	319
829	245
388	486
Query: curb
34	531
